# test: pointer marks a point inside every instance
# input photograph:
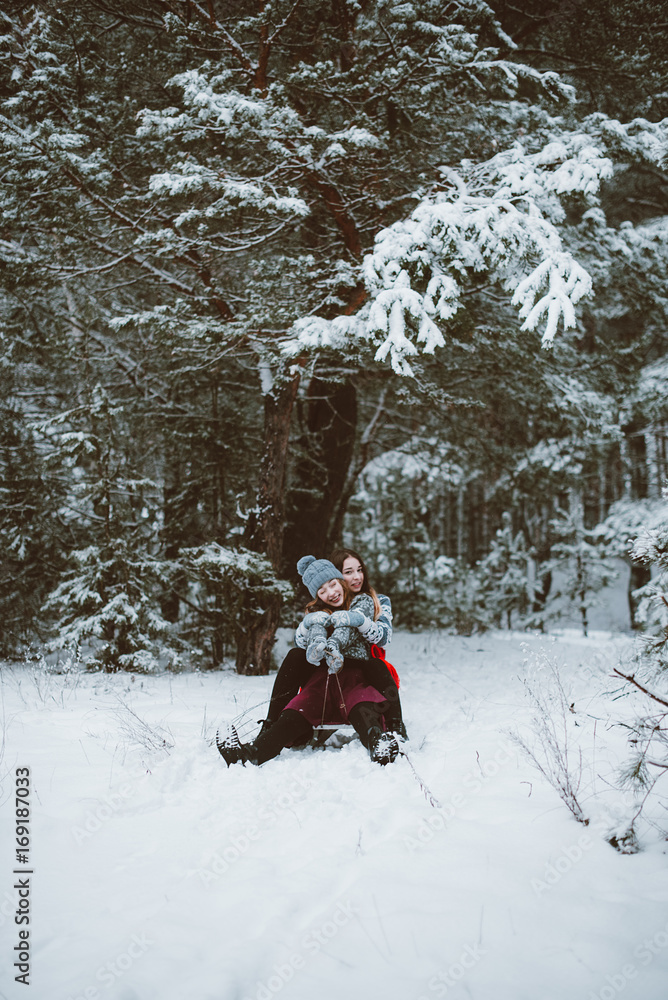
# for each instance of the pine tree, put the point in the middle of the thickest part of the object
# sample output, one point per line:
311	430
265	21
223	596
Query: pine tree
32	539
582	560
238	220
648	744
651	550
504	575
108	601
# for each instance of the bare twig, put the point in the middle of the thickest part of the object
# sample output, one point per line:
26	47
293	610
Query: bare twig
431	799
550	724
139	731
631	679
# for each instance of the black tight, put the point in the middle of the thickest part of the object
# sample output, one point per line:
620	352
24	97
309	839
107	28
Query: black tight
293	673
375	673
364	717
292	728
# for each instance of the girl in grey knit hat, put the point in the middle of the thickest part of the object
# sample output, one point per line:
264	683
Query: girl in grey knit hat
346	697
327	587
296	670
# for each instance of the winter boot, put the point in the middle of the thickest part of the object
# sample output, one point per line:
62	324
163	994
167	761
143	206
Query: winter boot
383	747
397	727
231	748
265	726
290	729
393	718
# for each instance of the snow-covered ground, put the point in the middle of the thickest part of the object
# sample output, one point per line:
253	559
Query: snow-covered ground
159	874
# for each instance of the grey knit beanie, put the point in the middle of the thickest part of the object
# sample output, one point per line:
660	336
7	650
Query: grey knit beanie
314	572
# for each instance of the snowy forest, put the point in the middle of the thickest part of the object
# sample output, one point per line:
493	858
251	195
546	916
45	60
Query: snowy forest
280	276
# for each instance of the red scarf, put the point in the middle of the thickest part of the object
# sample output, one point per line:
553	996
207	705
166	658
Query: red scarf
379	653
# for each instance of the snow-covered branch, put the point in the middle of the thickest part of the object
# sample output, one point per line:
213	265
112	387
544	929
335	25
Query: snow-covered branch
500	218
632	680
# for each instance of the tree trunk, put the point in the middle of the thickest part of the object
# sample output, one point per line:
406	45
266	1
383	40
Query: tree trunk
652	462
327	444
255	643
355	469
460	523
173	515
602	490
639	576
662	471
265	526
625	463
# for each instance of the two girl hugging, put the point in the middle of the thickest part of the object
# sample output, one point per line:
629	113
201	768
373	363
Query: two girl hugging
337	671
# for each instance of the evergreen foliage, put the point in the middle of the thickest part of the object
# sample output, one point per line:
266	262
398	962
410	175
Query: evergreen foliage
651	549
581	559
31	535
250	253
505	576
647	762
105	608
227	586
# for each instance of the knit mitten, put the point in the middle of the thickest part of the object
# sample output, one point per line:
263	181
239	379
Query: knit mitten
316	643
316	618
333	656
354	618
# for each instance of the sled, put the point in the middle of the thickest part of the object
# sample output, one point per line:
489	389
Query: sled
323	732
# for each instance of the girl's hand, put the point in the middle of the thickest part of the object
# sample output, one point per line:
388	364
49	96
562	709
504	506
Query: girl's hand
353	618
316	648
333	657
316	618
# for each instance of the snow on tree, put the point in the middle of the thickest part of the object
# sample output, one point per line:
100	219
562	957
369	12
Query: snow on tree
504	575
647	763
500	217
107	613
223	215
227	585
582	560
651	549
492	218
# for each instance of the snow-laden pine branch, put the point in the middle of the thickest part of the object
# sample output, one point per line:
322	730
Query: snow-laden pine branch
499	218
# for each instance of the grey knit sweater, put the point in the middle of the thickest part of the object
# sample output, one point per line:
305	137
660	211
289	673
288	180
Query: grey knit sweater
349	640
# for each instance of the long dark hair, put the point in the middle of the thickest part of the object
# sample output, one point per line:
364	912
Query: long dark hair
339	556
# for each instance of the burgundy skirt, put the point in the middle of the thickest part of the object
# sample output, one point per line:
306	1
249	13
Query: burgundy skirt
329	697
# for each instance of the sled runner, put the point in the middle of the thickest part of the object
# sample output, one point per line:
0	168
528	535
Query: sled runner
323	732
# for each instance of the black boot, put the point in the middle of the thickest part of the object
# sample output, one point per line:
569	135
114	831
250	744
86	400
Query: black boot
367	718
376	674
266	725
383	747
290	729
394	722
231	748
